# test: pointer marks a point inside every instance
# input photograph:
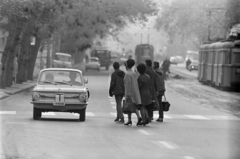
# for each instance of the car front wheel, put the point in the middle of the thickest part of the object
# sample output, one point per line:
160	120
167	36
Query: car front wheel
37	114
82	114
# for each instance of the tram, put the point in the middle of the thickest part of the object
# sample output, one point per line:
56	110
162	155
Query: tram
143	52
219	64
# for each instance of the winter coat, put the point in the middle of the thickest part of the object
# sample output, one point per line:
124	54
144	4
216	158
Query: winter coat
145	89
117	83
160	82
151	73
131	87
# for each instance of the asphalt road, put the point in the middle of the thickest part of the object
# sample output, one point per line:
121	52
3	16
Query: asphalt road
191	130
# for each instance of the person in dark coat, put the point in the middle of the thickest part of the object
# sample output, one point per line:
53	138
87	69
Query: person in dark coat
145	89
188	63
151	73
117	89
165	66
160	89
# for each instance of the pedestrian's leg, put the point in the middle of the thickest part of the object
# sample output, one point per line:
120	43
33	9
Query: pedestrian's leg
129	119
116	99
160	119
142	111
119	108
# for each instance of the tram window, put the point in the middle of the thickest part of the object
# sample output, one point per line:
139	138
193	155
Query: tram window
227	57
236	58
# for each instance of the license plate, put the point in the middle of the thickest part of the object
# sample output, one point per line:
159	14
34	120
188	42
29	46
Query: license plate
59	100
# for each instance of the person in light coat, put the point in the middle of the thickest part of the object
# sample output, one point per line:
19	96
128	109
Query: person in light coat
132	89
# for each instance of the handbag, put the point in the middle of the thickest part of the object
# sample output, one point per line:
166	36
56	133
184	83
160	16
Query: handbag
152	106
128	106
165	104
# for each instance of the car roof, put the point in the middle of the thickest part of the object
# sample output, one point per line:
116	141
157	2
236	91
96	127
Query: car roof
64	54
61	69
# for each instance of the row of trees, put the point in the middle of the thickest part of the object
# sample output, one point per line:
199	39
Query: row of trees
70	25
197	22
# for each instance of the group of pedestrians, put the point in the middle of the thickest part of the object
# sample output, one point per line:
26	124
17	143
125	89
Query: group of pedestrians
144	86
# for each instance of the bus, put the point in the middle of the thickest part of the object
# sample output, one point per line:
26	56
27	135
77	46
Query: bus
143	52
104	57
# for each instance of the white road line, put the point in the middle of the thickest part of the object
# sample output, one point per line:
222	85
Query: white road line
114	107
14	123
87	114
197	117
48	113
189	157
167	145
115	115
144	132
165	116
113	103
8	112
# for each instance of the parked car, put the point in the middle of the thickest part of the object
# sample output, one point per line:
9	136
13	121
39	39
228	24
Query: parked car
193	65
62	60
60	90
93	64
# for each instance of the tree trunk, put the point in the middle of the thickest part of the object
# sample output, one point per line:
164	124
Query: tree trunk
8	57
32	58
23	61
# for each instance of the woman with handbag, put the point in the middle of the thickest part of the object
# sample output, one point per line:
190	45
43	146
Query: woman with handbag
160	89
144	83
132	90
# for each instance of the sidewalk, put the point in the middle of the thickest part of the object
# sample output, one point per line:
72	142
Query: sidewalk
16	88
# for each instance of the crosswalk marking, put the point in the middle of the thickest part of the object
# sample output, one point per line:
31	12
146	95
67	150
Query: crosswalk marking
144	132
48	113
87	114
113	103
197	117
165	116
188	157
115	115
8	112
167	145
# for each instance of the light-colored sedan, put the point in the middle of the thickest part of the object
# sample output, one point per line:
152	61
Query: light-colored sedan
93	64
60	90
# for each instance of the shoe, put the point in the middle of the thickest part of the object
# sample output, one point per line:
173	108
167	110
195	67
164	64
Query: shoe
128	123
139	122
116	119
147	121
160	120
121	121
143	123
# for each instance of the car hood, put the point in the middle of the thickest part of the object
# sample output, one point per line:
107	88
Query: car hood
59	88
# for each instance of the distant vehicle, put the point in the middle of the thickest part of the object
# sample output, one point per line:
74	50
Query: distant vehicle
93	64
192	55
60	90
104	57
193	65
143	52
119	59
62	60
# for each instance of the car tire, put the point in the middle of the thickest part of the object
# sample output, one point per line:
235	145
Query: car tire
82	114
37	114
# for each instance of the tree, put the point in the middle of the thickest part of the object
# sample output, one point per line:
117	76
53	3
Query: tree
195	21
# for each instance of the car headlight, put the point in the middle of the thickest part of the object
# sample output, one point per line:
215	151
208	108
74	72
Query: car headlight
35	96
83	97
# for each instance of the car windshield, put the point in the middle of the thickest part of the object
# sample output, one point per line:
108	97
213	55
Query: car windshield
60	77
94	60
62	58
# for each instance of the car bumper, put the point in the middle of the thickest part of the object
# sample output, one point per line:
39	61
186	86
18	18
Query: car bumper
66	108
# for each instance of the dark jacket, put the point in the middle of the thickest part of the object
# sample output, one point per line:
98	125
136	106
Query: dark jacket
151	73
145	89
117	83
160	81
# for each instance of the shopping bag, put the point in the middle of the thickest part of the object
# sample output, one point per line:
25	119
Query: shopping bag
152	107
128	106
165	104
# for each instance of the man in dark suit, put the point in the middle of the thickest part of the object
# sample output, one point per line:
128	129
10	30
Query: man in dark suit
151	73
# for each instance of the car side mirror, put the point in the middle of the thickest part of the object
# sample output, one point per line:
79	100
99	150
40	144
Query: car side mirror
85	80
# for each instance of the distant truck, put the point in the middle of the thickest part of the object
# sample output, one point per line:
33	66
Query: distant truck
143	52
104	57
62	60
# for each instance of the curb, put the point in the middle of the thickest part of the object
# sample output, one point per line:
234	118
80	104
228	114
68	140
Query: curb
18	91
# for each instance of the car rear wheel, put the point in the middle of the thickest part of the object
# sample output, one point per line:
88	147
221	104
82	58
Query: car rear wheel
82	114
37	114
